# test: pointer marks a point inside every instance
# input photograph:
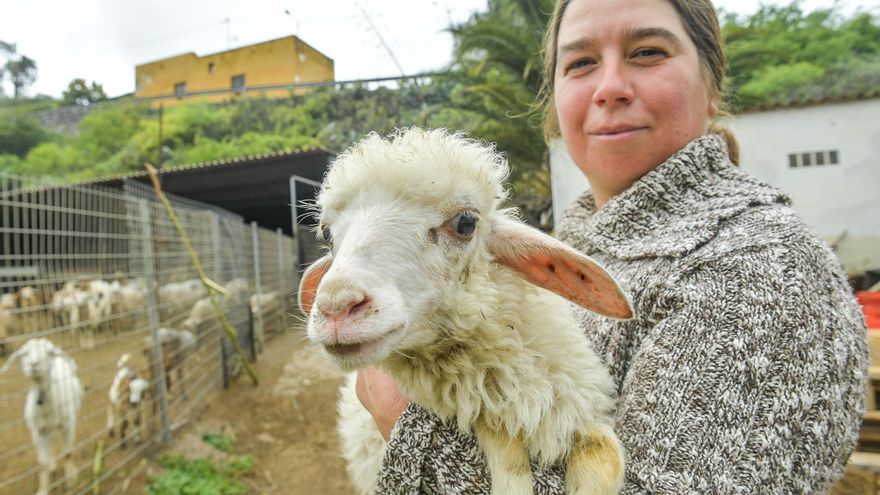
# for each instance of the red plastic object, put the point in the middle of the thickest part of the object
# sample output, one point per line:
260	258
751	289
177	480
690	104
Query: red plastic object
870	302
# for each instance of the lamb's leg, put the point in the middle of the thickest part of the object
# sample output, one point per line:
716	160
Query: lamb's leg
138	414
43	489
508	462
110	420
70	473
596	463
123	428
43	445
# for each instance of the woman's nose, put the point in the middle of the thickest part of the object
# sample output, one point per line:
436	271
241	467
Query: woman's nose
613	86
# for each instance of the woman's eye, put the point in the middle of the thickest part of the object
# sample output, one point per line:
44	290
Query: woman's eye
649	52
579	64
464	224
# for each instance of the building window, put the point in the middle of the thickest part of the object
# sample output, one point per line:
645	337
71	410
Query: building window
238	82
210	67
805	159
180	89
813	158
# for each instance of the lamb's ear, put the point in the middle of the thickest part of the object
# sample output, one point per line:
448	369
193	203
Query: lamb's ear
12	358
308	285
548	263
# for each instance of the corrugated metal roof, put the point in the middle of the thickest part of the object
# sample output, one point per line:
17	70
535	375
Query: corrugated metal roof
817	98
243	160
257	187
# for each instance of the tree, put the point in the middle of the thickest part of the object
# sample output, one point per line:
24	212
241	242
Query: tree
21	69
498	59
7	50
79	92
781	53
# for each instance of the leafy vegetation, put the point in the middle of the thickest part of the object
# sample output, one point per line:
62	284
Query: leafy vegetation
219	441
781	54
185	476
79	92
202	476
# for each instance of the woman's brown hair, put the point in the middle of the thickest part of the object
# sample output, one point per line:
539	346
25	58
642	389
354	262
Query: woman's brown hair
701	24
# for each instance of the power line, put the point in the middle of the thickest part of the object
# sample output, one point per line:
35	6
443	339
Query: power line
381	39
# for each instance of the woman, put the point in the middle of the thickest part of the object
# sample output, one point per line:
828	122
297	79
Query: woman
744	369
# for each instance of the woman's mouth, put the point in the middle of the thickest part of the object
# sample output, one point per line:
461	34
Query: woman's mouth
616	132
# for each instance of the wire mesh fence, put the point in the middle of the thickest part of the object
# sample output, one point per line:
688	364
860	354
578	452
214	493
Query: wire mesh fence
132	344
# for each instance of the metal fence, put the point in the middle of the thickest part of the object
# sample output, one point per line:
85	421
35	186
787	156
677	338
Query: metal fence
102	273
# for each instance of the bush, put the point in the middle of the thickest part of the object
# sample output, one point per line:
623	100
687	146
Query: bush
199	477
20	133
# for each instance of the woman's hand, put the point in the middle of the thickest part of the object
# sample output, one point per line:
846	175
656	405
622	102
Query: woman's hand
379	394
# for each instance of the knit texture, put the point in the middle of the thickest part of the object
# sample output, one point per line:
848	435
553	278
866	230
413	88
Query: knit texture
744	369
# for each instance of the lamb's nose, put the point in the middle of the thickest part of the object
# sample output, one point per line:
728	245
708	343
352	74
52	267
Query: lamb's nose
343	306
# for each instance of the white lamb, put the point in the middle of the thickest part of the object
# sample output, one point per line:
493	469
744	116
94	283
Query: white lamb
51	406
126	396
429	280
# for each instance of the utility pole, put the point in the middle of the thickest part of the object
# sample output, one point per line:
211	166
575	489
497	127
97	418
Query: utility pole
161	158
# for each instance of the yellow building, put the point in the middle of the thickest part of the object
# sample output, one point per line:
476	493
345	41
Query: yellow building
228	74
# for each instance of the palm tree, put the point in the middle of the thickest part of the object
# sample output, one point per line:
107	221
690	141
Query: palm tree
497	62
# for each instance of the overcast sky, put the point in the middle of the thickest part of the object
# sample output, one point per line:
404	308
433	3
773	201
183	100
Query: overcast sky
103	40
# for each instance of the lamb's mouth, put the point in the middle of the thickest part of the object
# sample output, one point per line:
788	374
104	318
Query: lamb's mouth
363	347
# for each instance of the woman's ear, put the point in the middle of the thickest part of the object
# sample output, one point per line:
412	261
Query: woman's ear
713	106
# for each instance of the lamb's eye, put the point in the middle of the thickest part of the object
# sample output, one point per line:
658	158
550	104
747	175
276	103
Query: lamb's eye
464	224
326	236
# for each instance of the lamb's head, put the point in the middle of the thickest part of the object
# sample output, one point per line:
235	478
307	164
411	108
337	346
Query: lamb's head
36	357
137	388
407	219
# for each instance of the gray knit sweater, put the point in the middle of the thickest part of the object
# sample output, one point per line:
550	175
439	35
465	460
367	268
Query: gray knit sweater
744	369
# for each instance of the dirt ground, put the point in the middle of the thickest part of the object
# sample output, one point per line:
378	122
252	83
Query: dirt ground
287	424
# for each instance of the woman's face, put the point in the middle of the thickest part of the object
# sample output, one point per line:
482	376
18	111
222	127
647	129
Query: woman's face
628	88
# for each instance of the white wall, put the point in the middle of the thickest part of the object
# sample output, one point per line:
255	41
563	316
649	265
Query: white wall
835	200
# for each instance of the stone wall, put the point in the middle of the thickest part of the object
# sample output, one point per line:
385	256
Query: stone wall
63	119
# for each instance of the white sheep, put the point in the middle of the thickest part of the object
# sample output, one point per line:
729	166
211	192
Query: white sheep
7	305
175	297
70	303
265	302
29	303
126	394
132	298
428	279
51	406
203	312
177	345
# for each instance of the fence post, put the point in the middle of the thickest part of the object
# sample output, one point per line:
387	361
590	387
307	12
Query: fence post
282	277
216	242
294	229
258	320
151	283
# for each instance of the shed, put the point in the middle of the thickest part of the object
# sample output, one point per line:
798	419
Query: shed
256	187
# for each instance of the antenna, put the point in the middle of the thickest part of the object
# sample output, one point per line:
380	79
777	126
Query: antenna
228	37
379	35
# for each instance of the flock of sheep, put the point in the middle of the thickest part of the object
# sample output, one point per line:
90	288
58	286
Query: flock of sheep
87	309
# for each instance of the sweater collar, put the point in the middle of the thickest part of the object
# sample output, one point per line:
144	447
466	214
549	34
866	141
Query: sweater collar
671	210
